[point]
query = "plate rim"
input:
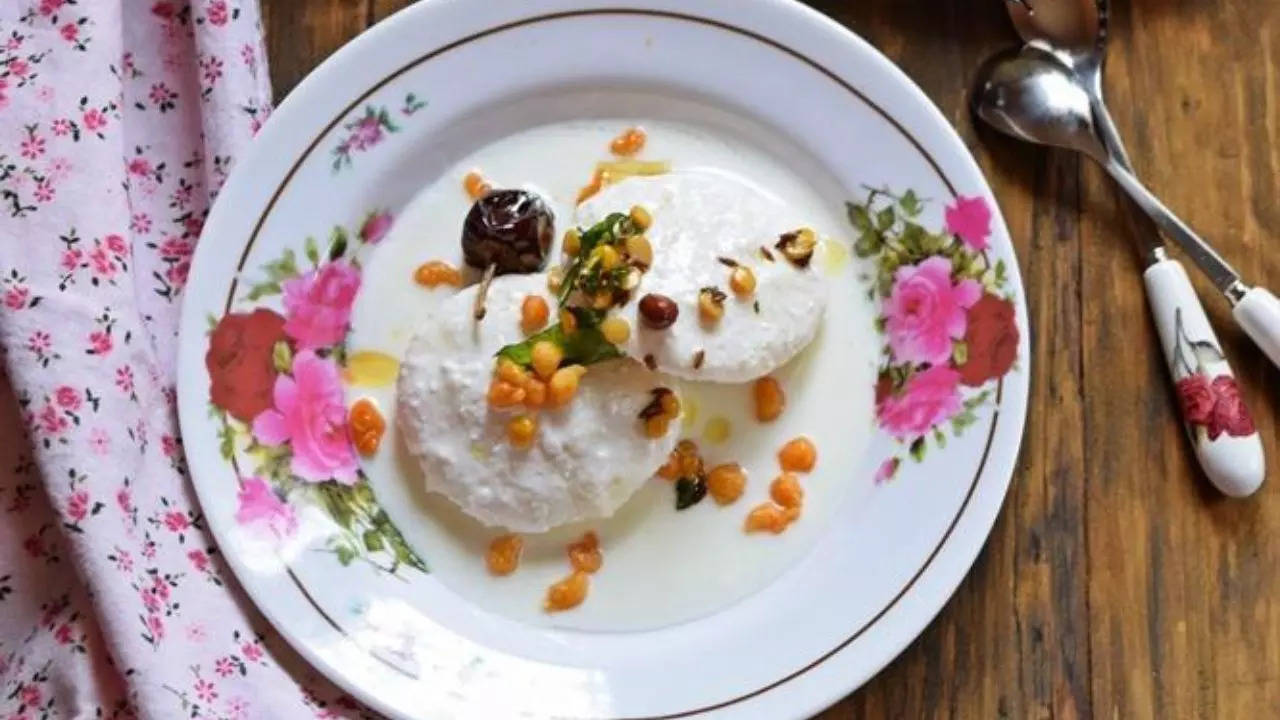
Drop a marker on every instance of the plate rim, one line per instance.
(193, 352)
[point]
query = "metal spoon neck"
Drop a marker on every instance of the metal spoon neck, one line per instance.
(1220, 273)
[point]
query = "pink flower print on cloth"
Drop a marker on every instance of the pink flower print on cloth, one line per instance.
(318, 305)
(926, 312)
(310, 416)
(969, 218)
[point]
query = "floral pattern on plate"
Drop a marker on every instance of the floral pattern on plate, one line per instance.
(946, 316)
(276, 388)
(370, 129)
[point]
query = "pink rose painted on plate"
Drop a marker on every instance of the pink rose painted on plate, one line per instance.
(295, 405)
(318, 304)
(310, 416)
(367, 133)
(925, 311)
(950, 325)
(887, 470)
(929, 398)
(257, 504)
(969, 218)
(376, 227)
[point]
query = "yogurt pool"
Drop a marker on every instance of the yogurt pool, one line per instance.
(660, 565)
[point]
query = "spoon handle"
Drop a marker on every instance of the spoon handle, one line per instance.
(1261, 317)
(1236, 468)
(1220, 273)
(1218, 423)
(1258, 312)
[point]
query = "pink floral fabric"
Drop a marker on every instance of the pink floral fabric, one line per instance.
(119, 121)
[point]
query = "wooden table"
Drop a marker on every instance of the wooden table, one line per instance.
(1116, 583)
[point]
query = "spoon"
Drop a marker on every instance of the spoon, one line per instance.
(1075, 33)
(1035, 95)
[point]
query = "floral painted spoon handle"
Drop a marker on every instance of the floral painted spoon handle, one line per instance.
(1216, 419)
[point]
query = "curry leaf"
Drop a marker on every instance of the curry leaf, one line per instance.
(604, 231)
(585, 346)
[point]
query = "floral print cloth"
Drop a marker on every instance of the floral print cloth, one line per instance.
(119, 121)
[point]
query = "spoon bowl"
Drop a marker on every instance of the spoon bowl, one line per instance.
(1073, 26)
(1032, 96)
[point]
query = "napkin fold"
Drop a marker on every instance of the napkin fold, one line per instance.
(119, 121)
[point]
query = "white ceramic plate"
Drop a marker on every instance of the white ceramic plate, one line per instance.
(281, 258)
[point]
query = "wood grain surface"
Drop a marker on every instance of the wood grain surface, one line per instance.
(1116, 583)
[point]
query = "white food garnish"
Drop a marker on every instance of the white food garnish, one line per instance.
(588, 458)
(700, 216)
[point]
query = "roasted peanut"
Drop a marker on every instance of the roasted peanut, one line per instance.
(658, 311)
